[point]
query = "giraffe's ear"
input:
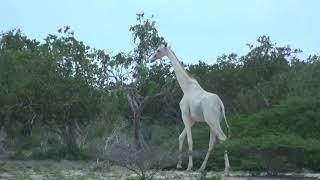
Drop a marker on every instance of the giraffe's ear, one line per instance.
(165, 44)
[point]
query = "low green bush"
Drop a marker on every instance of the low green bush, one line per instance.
(296, 115)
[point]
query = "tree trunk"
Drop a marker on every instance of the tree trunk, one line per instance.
(136, 103)
(71, 133)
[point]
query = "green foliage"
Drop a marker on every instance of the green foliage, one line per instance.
(52, 83)
(296, 115)
(146, 39)
(157, 135)
(274, 153)
(214, 178)
(40, 147)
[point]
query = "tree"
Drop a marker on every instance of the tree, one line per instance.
(58, 84)
(146, 40)
(263, 75)
(18, 55)
(71, 94)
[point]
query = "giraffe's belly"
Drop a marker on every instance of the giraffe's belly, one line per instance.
(196, 113)
(193, 101)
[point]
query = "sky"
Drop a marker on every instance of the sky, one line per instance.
(196, 30)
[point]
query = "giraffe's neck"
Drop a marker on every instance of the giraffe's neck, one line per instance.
(185, 81)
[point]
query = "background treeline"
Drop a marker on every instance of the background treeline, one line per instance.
(62, 99)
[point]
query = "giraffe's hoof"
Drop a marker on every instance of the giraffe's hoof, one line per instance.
(179, 166)
(189, 169)
(201, 169)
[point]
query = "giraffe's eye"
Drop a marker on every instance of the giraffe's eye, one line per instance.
(158, 50)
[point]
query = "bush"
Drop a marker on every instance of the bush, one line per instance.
(273, 153)
(297, 115)
(42, 144)
(143, 162)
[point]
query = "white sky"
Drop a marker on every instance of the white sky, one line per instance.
(202, 29)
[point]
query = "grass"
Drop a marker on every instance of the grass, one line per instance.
(48, 170)
(73, 170)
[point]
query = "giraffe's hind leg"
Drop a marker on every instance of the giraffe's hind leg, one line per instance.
(212, 117)
(211, 143)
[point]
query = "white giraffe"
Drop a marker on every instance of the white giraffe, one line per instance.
(197, 105)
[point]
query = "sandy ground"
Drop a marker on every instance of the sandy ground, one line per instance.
(43, 170)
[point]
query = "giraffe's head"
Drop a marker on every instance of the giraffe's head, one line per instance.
(161, 52)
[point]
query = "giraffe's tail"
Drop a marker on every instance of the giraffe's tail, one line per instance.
(225, 119)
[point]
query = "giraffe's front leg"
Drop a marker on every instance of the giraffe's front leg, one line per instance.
(181, 140)
(189, 137)
(187, 127)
